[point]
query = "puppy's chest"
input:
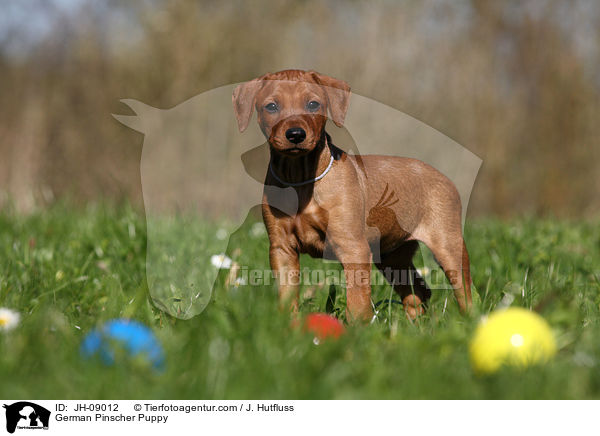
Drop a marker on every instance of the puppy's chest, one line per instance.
(309, 228)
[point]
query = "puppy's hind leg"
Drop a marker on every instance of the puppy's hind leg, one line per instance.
(399, 271)
(450, 252)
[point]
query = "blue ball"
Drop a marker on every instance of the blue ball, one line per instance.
(133, 337)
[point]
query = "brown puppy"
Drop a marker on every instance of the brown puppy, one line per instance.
(357, 209)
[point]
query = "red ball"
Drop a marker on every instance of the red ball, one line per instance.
(324, 326)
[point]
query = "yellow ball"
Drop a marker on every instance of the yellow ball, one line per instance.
(515, 337)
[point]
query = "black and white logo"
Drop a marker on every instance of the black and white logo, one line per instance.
(26, 415)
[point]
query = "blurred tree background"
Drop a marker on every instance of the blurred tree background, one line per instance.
(516, 82)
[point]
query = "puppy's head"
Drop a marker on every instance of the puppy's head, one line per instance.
(292, 107)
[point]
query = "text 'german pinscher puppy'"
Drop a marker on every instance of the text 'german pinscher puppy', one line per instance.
(348, 207)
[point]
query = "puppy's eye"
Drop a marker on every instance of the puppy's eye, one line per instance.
(313, 106)
(271, 107)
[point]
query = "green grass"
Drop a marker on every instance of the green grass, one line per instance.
(67, 271)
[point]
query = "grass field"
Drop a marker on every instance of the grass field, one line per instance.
(66, 271)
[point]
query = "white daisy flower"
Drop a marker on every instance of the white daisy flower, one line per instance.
(8, 319)
(423, 271)
(220, 261)
(257, 230)
(221, 234)
(240, 281)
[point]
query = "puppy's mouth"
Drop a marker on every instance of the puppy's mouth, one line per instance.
(289, 149)
(295, 151)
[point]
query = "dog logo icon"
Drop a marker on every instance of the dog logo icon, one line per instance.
(26, 415)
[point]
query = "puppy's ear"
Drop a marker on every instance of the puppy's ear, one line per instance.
(338, 96)
(243, 101)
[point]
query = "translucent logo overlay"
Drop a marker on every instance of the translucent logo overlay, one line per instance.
(196, 163)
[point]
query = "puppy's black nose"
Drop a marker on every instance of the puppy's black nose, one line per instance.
(295, 135)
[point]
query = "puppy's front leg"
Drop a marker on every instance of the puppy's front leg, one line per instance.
(352, 250)
(357, 270)
(285, 264)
